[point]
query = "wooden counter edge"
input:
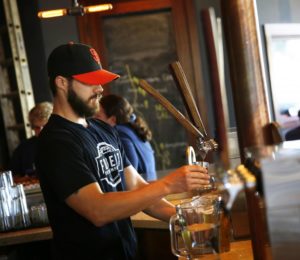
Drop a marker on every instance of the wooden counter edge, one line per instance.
(238, 250)
(139, 220)
(25, 236)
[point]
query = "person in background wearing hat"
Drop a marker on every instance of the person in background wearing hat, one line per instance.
(134, 133)
(22, 161)
(90, 187)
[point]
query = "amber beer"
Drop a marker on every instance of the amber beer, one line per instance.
(194, 229)
(202, 235)
(197, 238)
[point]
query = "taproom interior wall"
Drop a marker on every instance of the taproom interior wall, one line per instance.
(275, 11)
(41, 36)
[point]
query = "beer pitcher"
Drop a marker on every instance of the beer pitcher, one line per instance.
(195, 227)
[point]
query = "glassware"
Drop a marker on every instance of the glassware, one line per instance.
(192, 160)
(6, 179)
(195, 228)
(19, 209)
(38, 215)
(5, 218)
(212, 182)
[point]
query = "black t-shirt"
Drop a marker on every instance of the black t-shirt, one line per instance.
(70, 156)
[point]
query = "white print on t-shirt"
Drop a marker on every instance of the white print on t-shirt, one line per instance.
(109, 164)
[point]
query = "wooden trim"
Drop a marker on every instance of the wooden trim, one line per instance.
(218, 100)
(247, 80)
(195, 67)
(138, 6)
(188, 51)
(196, 61)
(185, 33)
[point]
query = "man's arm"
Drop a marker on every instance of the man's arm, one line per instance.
(101, 208)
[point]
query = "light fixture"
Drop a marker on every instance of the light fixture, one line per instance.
(75, 9)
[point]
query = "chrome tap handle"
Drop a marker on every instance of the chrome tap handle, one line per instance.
(190, 155)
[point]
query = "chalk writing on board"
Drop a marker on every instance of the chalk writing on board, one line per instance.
(141, 46)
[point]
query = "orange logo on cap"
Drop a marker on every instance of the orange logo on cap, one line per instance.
(95, 55)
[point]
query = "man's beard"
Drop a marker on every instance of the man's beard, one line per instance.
(80, 106)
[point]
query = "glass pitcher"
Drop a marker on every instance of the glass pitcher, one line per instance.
(194, 229)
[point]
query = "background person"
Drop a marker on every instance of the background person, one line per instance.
(134, 133)
(22, 161)
(90, 187)
(293, 134)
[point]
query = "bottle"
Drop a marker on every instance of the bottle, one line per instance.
(224, 230)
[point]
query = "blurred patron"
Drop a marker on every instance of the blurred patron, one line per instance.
(22, 161)
(134, 133)
(293, 134)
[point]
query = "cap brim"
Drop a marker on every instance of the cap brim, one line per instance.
(98, 77)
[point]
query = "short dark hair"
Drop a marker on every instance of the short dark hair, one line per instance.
(53, 85)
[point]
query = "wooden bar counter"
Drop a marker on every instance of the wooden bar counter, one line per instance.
(239, 250)
(139, 220)
(25, 236)
(153, 236)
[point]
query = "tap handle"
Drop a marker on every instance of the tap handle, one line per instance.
(190, 155)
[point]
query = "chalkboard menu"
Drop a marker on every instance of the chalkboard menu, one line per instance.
(141, 46)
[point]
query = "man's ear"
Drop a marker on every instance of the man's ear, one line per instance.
(61, 83)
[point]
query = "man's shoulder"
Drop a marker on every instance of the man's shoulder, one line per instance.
(58, 130)
(101, 126)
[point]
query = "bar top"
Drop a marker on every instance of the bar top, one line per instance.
(25, 236)
(139, 220)
(238, 250)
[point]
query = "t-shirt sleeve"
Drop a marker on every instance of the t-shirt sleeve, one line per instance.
(66, 176)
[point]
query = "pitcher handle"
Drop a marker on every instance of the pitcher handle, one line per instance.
(174, 242)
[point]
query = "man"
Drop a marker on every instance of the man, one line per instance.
(89, 186)
(22, 161)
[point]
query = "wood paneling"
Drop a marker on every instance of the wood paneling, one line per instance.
(248, 86)
(185, 30)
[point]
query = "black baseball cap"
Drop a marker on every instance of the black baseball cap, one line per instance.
(80, 62)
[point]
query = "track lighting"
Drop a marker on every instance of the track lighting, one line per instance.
(75, 9)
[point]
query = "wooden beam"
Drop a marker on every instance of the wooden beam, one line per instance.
(241, 34)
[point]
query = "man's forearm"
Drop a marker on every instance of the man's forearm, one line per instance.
(162, 210)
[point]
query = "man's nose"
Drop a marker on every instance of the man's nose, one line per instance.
(98, 89)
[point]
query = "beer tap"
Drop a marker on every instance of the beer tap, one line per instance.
(230, 180)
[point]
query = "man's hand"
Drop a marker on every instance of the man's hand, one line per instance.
(186, 178)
